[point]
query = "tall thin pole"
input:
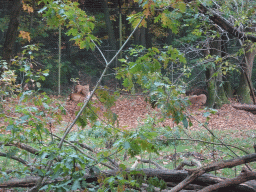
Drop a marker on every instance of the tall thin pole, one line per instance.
(59, 58)
(120, 27)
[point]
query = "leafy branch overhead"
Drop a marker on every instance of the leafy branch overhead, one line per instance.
(68, 14)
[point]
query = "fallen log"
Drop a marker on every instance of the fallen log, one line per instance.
(245, 107)
(243, 177)
(171, 177)
(185, 179)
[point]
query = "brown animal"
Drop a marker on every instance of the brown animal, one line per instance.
(198, 99)
(84, 90)
(77, 97)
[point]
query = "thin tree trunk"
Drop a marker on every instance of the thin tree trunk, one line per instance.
(220, 94)
(148, 34)
(210, 81)
(243, 90)
(211, 87)
(32, 15)
(143, 36)
(227, 85)
(216, 94)
(12, 31)
(111, 35)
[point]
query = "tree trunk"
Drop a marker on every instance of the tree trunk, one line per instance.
(137, 36)
(12, 31)
(216, 94)
(148, 34)
(143, 36)
(32, 15)
(224, 50)
(243, 90)
(227, 87)
(111, 35)
(221, 96)
(211, 87)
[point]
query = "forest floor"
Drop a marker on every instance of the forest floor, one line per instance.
(133, 109)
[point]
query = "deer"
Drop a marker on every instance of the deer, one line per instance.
(80, 93)
(76, 97)
(197, 100)
(83, 90)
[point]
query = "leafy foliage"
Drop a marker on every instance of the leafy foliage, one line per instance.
(146, 71)
(79, 24)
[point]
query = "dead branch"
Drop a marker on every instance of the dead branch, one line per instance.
(15, 158)
(171, 177)
(145, 161)
(87, 155)
(189, 163)
(152, 162)
(243, 177)
(224, 144)
(27, 148)
(214, 166)
(84, 146)
(202, 141)
(25, 182)
(188, 187)
(245, 107)
(22, 146)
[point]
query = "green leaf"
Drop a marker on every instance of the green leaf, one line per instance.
(182, 6)
(127, 145)
(122, 166)
(9, 127)
(76, 185)
(206, 114)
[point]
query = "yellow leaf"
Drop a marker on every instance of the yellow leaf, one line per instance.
(144, 23)
(25, 35)
(27, 7)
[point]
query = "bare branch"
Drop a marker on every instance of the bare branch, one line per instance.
(25, 182)
(202, 141)
(213, 167)
(78, 149)
(14, 158)
(243, 177)
(22, 146)
(189, 163)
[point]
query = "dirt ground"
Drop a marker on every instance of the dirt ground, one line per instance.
(131, 110)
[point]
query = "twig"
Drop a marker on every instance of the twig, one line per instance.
(15, 158)
(78, 149)
(202, 141)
